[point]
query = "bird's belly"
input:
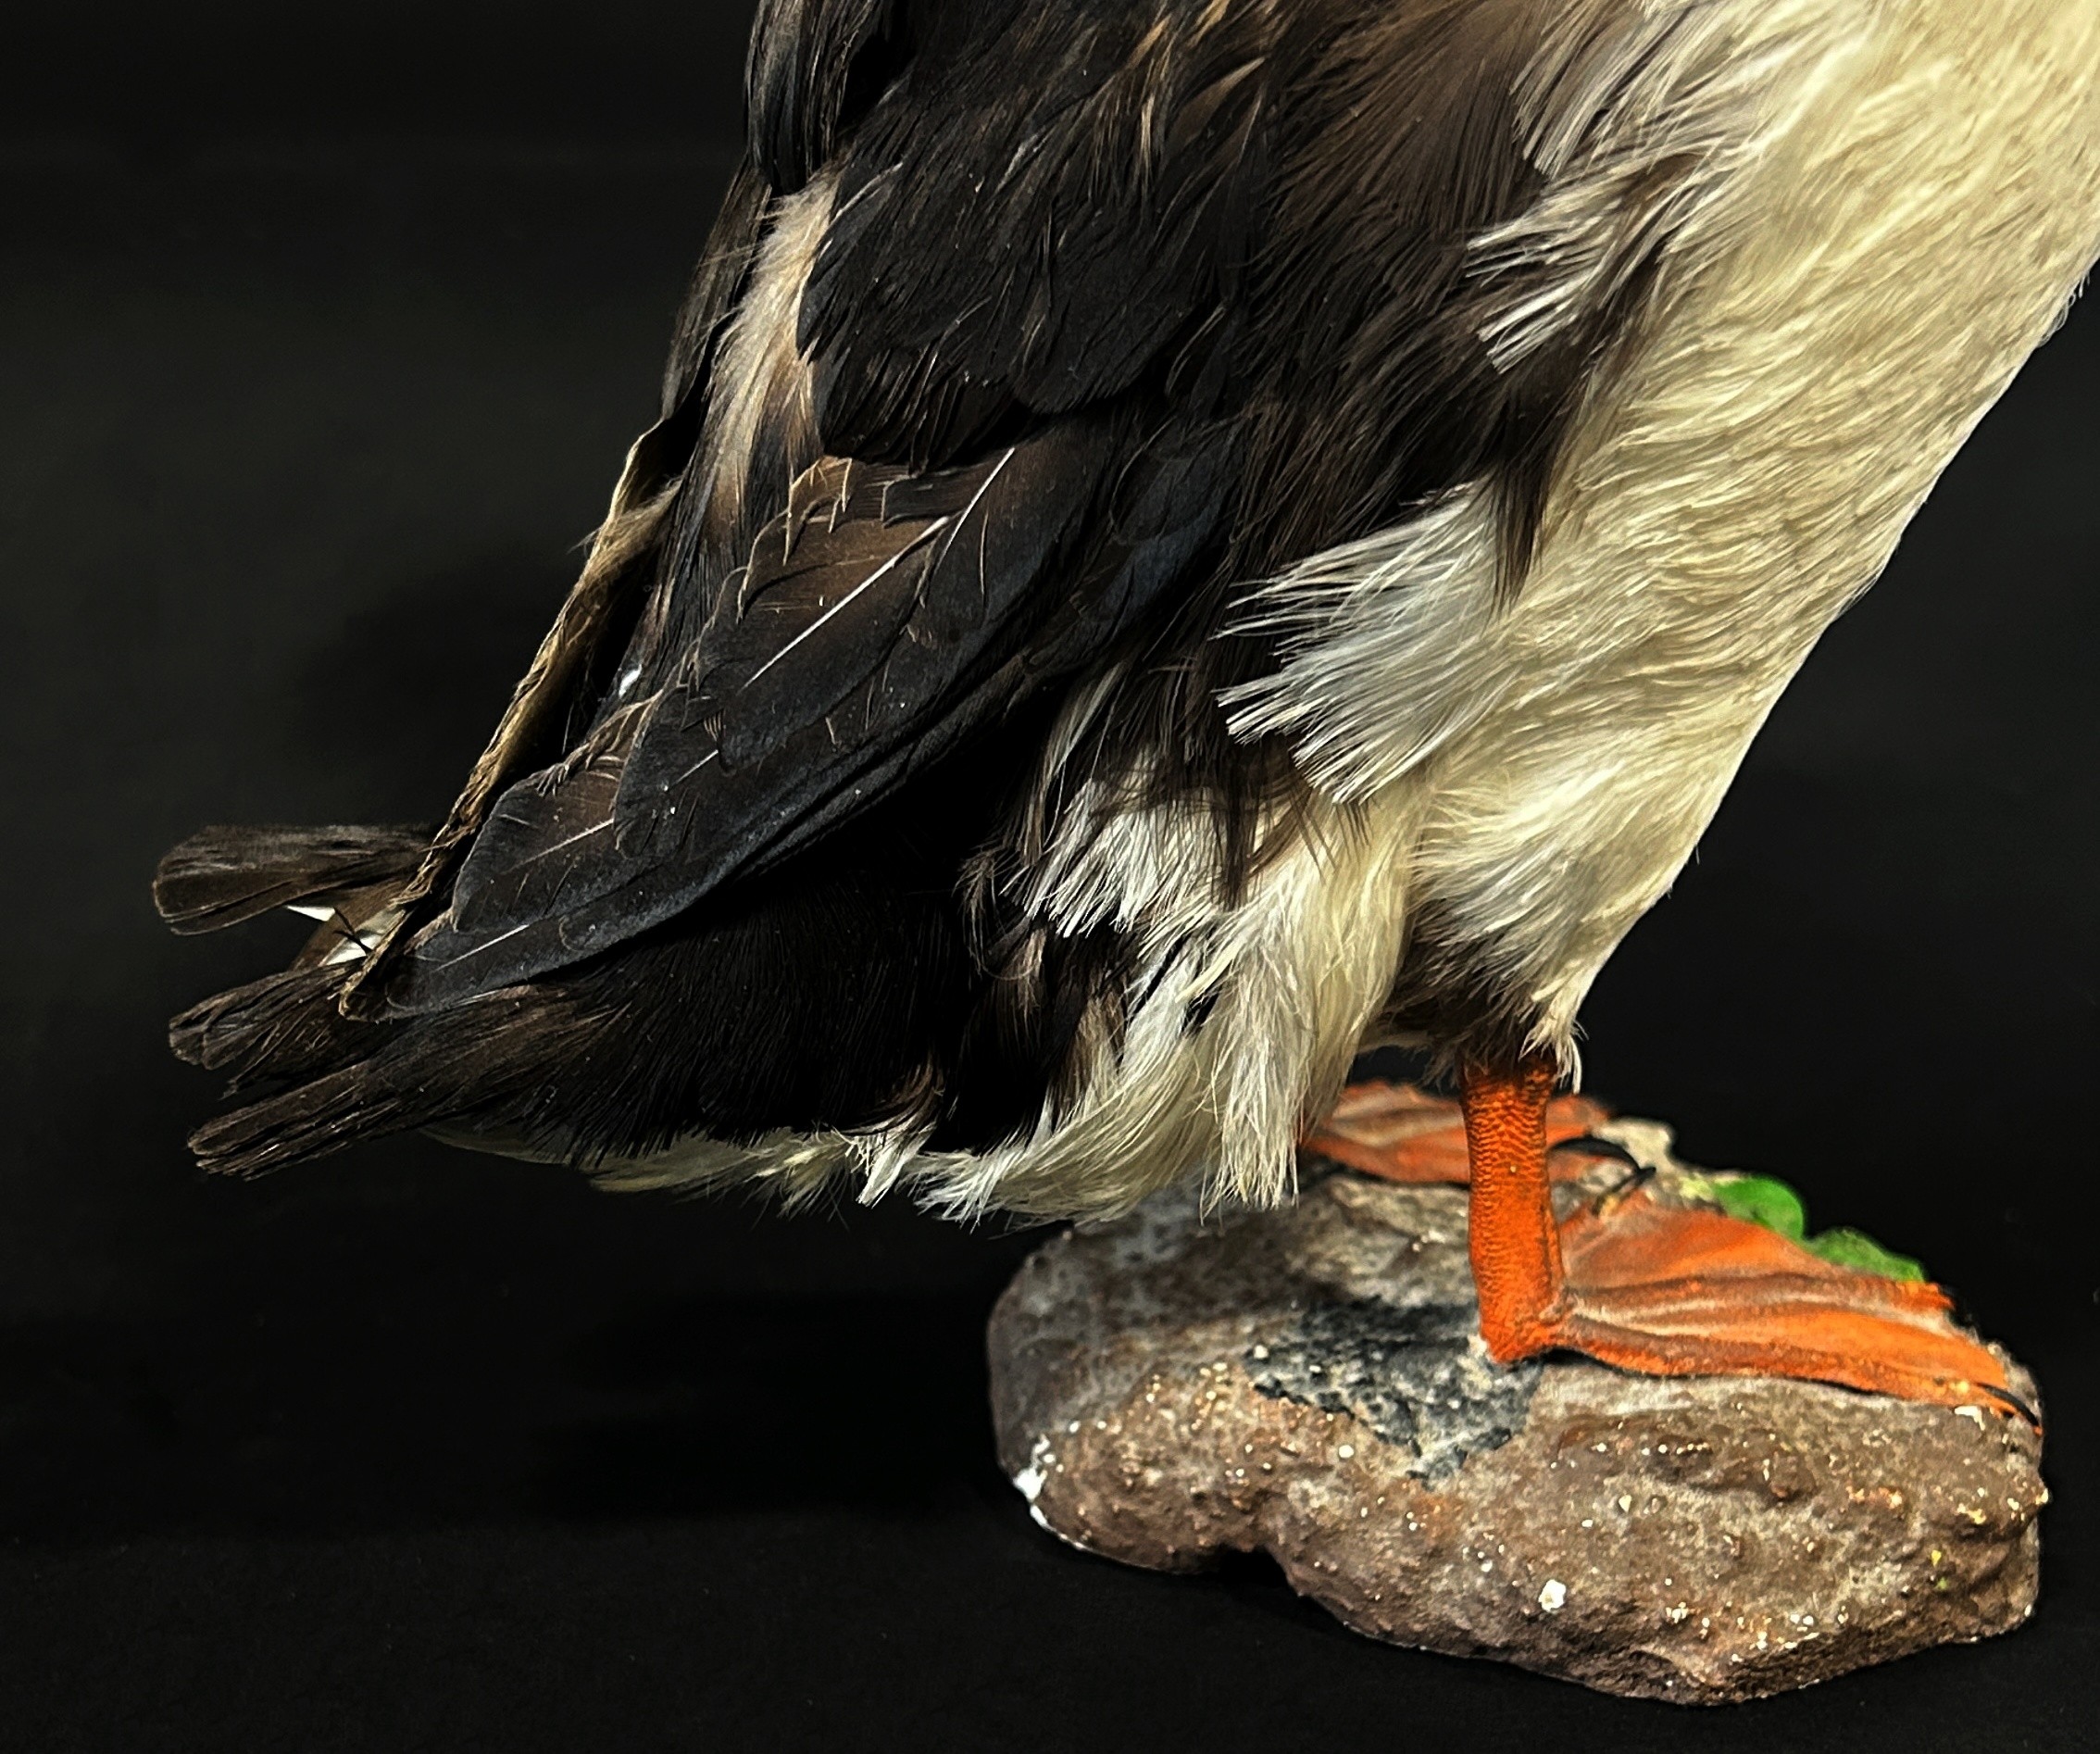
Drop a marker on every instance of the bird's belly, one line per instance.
(1865, 292)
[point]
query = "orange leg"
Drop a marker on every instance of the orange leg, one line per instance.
(1685, 1293)
(1515, 1243)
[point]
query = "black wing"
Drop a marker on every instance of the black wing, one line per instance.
(1014, 276)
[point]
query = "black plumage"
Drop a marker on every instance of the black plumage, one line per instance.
(1111, 309)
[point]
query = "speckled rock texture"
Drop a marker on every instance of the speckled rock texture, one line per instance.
(1307, 1382)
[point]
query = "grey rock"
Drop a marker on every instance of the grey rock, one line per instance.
(1308, 1383)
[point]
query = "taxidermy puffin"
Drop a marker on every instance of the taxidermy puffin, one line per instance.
(1186, 536)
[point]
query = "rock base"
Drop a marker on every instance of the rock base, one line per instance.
(1308, 1383)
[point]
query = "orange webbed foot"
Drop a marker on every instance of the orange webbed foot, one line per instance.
(1671, 1290)
(1399, 1134)
(1635, 1280)
(1674, 1291)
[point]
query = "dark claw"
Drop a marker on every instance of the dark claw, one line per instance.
(2014, 1402)
(1638, 1171)
(1591, 1146)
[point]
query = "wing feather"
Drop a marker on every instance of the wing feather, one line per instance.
(871, 607)
(1010, 279)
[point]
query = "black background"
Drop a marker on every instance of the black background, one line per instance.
(321, 340)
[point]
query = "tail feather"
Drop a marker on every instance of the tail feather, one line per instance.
(286, 1025)
(225, 875)
(359, 1081)
(309, 1121)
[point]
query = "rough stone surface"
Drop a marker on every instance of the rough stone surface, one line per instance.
(1308, 1383)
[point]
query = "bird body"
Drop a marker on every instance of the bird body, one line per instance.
(1184, 538)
